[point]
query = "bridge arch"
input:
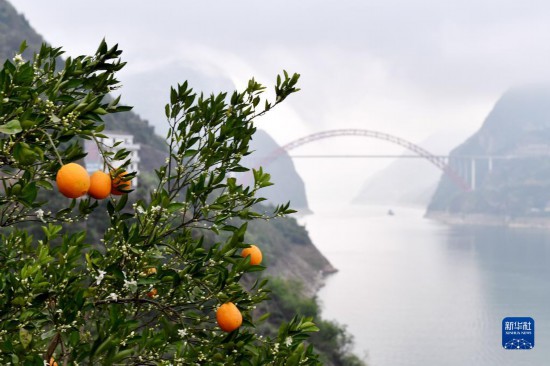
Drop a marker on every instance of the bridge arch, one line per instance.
(439, 162)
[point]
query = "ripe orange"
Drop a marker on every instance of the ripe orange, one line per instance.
(100, 185)
(255, 254)
(72, 180)
(229, 317)
(153, 293)
(117, 183)
(52, 362)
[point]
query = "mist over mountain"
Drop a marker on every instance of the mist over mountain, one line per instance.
(149, 91)
(288, 185)
(408, 181)
(150, 102)
(518, 127)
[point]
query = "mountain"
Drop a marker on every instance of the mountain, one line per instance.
(288, 185)
(14, 29)
(515, 185)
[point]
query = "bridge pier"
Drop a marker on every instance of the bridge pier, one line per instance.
(473, 174)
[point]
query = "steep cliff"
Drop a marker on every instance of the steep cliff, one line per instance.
(516, 182)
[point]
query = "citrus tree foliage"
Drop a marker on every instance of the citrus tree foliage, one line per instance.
(147, 293)
(42, 112)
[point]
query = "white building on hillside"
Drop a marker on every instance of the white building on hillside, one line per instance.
(94, 160)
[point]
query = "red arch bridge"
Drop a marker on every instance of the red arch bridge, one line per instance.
(462, 174)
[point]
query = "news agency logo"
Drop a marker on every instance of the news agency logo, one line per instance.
(518, 333)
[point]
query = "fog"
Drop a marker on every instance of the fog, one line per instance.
(409, 68)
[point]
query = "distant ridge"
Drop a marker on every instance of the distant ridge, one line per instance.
(14, 29)
(518, 125)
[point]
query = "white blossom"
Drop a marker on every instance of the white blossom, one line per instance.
(113, 296)
(140, 210)
(182, 332)
(288, 341)
(40, 214)
(99, 277)
(18, 58)
(130, 284)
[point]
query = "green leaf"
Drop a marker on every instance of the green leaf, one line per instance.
(29, 192)
(19, 301)
(25, 337)
(44, 184)
(175, 206)
(23, 47)
(122, 355)
(11, 128)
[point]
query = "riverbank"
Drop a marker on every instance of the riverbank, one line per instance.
(489, 220)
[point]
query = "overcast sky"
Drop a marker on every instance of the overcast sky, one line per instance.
(412, 68)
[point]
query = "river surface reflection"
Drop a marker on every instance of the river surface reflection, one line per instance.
(416, 292)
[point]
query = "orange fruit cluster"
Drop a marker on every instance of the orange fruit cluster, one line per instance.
(228, 315)
(73, 181)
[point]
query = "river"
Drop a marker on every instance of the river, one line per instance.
(413, 291)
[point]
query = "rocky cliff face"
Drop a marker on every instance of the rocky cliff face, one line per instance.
(14, 29)
(518, 127)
